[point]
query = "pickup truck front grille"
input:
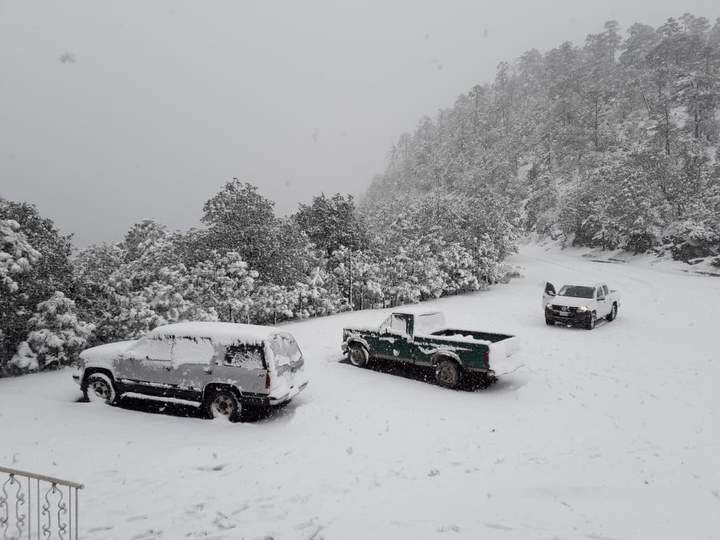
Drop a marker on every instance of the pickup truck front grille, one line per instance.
(569, 309)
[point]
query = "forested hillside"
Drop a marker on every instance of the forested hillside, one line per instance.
(612, 143)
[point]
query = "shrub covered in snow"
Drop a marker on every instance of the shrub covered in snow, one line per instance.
(16, 255)
(56, 336)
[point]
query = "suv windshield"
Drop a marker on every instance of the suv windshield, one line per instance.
(577, 291)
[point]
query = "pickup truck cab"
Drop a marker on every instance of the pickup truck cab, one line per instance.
(422, 338)
(226, 368)
(580, 305)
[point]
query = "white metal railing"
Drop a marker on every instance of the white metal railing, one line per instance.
(35, 506)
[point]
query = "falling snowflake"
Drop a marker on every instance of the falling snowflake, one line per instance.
(67, 58)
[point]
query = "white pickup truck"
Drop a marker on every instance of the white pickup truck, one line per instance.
(580, 305)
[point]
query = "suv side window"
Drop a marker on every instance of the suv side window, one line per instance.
(245, 356)
(192, 350)
(154, 348)
(605, 290)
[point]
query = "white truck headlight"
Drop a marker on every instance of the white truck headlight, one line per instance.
(582, 308)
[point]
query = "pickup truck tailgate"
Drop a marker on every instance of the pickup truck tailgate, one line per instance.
(503, 359)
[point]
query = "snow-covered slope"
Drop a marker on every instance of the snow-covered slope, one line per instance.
(612, 433)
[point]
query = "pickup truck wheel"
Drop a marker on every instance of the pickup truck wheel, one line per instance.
(358, 355)
(224, 405)
(448, 374)
(613, 313)
(99, 388)
(591, 321)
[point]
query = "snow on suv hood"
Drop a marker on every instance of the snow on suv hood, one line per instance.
(105, 354)
(570, 301)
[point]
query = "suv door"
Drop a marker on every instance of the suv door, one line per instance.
(148, 364)
(193, 359)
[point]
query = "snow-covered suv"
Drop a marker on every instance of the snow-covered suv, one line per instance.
(580, 304)
(223, 367)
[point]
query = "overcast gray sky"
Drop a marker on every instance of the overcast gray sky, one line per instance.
(111, 112)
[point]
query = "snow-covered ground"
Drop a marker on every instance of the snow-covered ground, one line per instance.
(613, 433)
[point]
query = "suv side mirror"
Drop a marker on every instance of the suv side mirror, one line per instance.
(600, 298)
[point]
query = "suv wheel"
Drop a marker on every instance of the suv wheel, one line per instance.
(448, 374)
(613, 313)
(223, 404)
(358, 355)
(99, 388)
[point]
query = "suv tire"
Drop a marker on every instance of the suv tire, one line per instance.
(223, 404)
(99, 388)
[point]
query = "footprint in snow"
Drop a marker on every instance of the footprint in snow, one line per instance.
(211, 468)
(222, 522)
(100, 529)
(150, 534)
(498, 526)
(448, 528)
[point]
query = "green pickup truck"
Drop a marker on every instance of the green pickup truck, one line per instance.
(422, 338)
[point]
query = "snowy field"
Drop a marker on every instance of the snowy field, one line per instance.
(613, 433)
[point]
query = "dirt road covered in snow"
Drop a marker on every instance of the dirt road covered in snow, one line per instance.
(613, 433)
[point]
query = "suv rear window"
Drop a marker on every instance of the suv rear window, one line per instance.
(285, 350)
(245, 356)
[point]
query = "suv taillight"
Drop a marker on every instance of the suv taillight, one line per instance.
(486, 358)
(268, 381)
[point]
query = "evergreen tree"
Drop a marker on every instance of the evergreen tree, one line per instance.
(56, 336)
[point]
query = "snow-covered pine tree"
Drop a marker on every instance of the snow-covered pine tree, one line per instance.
(17, 258)
(222, 284)
(56, 336)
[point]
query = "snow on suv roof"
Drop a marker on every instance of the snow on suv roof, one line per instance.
(223, 333)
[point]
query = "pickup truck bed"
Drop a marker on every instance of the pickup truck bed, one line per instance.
(471, 334)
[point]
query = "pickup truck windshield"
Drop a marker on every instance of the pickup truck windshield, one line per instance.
(577, 291)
